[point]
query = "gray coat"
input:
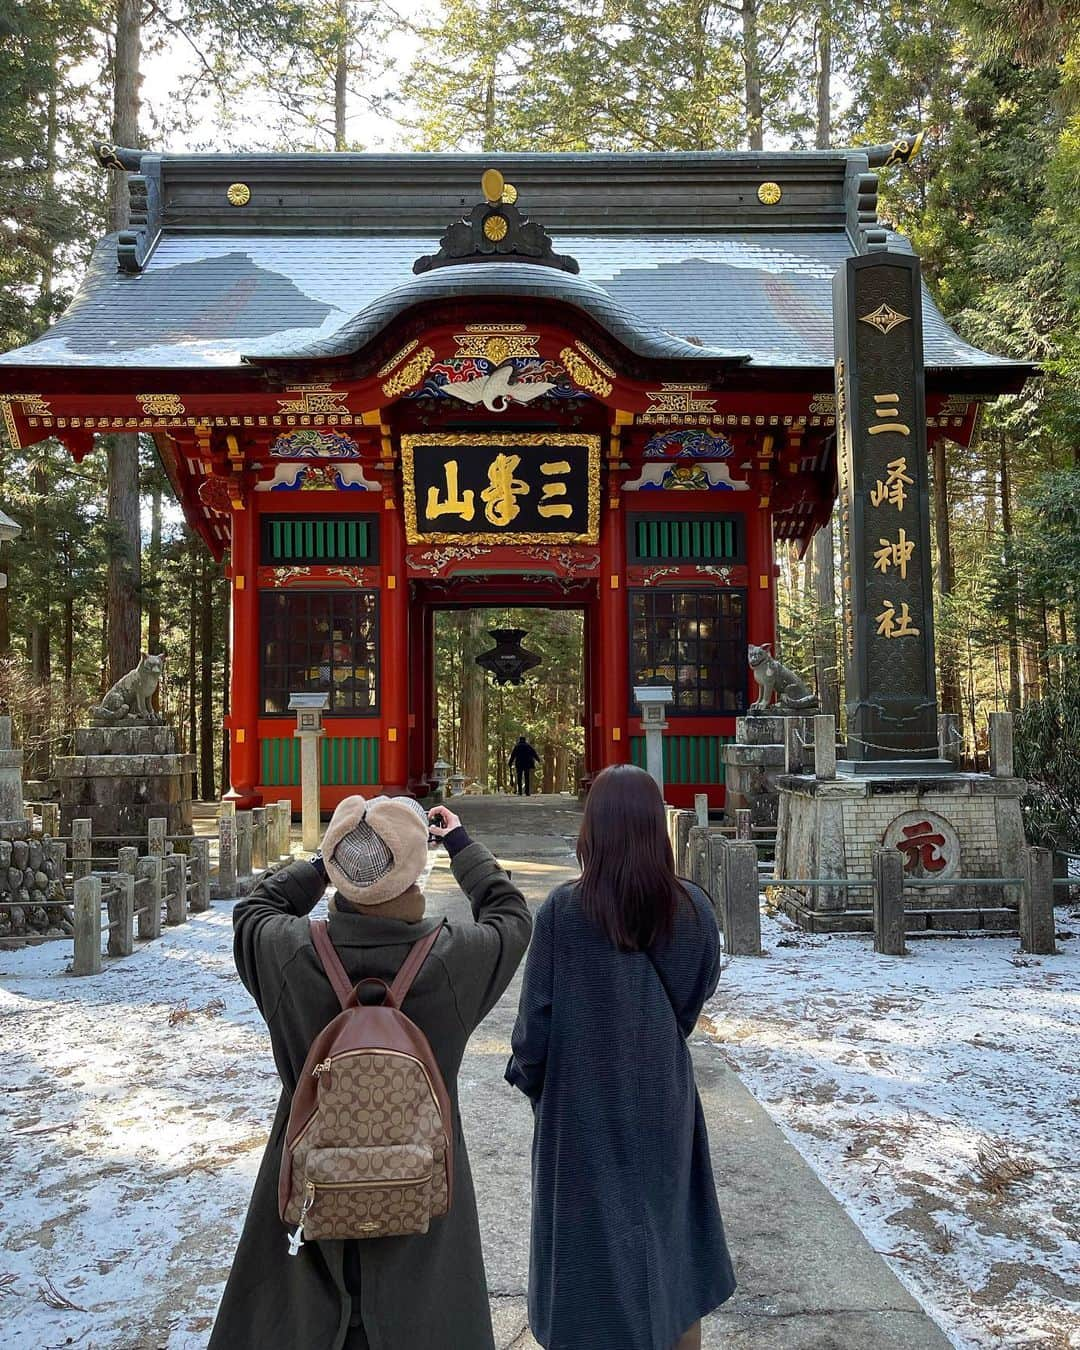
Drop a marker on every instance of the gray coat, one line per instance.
(417, 1293)
(628, 1248)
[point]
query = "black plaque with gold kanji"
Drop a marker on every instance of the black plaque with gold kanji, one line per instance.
(884, 508)
(504, 488)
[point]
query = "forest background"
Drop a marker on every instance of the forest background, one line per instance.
(106, 566)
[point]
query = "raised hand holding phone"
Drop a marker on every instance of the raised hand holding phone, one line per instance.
(441, 820)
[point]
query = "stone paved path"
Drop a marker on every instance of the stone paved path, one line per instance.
(808, 1278)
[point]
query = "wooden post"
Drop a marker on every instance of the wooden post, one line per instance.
(87, 926)
(740, 899)
(243, 849)
(1037, 928)
(744, 828)
(80, 848)
(259, 849)
(200, 875)
(122, 915)
(155, 836)
(226, 882)
(50, 819)
(148, 877)
(824, 746)
(701, 808)
(1001, 745)
(285, 807)
(889, 924)
(176, 903)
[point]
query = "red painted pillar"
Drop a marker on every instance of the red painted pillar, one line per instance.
(394, 648)
(243, 716)
(761, 616)
(428, 711)
(613, 646)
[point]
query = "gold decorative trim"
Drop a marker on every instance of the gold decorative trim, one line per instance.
(597, 361)
(397, 358)
(884, 319)
(410, 374)
(495, 342)
(315, 399)
(239, 194)
(583, 375)
(501, 440)
(768, 194)
(10, 428)
(496, 228)
(161, 405)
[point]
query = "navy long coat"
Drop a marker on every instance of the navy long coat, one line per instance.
(627, 1246)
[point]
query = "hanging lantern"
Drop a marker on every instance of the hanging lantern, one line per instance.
(508, 660)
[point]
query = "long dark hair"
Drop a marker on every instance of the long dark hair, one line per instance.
(628, 884)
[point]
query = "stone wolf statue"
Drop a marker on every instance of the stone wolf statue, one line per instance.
(792, 693)
(128, 701)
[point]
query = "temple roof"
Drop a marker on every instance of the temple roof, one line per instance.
(681, 256)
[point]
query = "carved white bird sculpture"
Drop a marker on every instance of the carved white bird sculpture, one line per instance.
(498, 389)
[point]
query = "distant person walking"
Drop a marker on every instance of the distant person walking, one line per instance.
(523, 759)
(628, 1249)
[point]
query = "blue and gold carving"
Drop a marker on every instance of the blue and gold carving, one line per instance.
(313, 443)
(688, 444)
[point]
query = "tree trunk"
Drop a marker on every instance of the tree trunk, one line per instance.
(341, 74)
(823, 129)
(122, 604)
(69, 632)
(1010, 600)
(206, 682)
(473, 740)
(153, 589)
(946, 579)
(755, 116)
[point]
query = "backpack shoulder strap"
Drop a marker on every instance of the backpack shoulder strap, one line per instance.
(331, 963)
(418, 954)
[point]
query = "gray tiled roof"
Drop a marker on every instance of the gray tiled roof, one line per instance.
(210, 300)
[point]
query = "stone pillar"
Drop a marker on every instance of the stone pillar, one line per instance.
(950, 739)
(1037, 928)
(259, 842)
(794, 750)
(740, 899)
(80, 849)
(11, 785)
(87, 927)
(684, 821)
(176, 901)
(889, 923)
(1001, 745)
(243, 850)
(285, 808)
(122, 915)
(155, 837)
(226, 882)
(50, 819)
(200, 875)
(744, 827)
(824, 746)
(148, 883)
(701, 808)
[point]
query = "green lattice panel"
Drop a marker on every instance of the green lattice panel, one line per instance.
(316, 539)
(345, 761)
(687, 759)
(693, 539)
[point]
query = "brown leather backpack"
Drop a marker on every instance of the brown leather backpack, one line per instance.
(369, 1146)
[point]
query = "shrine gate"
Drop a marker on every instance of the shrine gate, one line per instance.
(389, 384)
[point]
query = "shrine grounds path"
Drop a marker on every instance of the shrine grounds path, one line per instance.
(808, 1279)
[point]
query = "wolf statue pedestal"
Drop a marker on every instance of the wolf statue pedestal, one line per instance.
(127, 769)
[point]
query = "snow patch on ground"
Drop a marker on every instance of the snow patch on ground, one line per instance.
(890, 1075)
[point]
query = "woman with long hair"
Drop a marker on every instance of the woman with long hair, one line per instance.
(628, 1249)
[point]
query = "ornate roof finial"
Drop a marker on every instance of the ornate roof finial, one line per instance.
(495, 230)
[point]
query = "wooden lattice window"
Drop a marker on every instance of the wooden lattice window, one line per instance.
(669, 538)
(320, 640)
(695, 640)
(318, 539)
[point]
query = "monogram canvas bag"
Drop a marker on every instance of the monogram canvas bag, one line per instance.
(368, 1146)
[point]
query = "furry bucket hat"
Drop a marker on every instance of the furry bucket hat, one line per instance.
(375, 850)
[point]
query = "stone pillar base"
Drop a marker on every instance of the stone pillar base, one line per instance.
(754, 761)
(945, 825)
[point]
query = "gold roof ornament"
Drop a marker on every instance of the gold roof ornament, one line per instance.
(768, 194)
(492, 185)
(509, 194)
(239, 194)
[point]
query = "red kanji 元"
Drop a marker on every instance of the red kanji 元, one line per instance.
(920, 848)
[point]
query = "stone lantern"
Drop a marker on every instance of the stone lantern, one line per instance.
(9, 529)
(653, 699)
(309, 709)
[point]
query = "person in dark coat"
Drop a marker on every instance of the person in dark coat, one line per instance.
(421, 1292)
(523, 759)
(628, 1248)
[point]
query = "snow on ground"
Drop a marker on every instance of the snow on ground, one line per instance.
(890, 1075)
(128, 1145)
